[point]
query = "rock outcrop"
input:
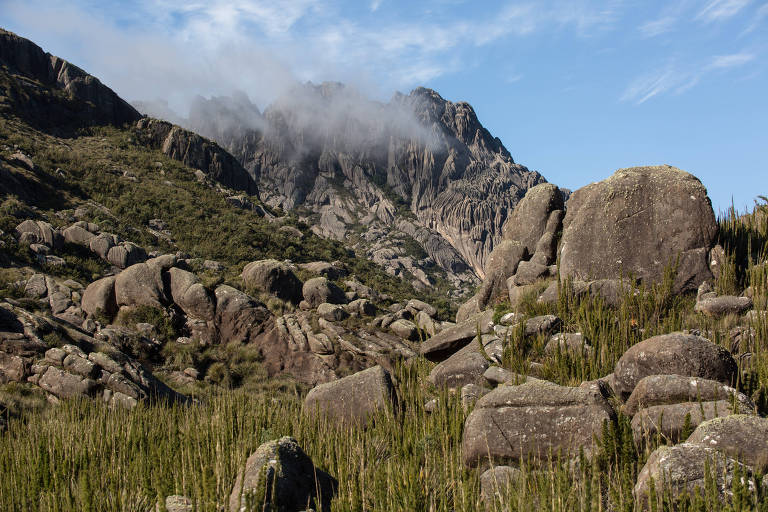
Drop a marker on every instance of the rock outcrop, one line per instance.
(666, 210)
(90, 101)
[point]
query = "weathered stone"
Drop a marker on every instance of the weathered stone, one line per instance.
(495, 482)
(502, 263)
(238, 316)
(65, 385)
(468, 309)
(529, 272)
(362, 307)
(669, 420)
(543, 324)
(319, 289)
(496, 375)
(78, 235)
(140, 285)
(422, 306)
(723, 305)
(449, 340)
(536, 419)
(405, 329)
(190, 295)
(100, 296)
(36, 287)
(672, 389)
(177, 503)
(356, 399)
(39, 232)
(467, 366)
(101, 244)
(427, 324)
(673, 354)
(273, 277)
(280, 476)
(74, 363)
(528, 221)
(742, 437)
(126, 254)
(333, 312)
(470, 393)
(572, 342)
(666, 210)
(682, 469)
(332, 271)
(12, 368)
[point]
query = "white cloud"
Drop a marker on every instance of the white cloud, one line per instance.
(375, 4)
(730, 61)
(718, 10)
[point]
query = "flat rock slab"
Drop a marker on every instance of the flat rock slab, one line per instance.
(671, 389)
(353, 400)
(676, 353)
(468, 365)
(440, 346)
(536, 419)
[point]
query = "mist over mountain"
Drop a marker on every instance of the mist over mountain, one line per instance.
(418, 165)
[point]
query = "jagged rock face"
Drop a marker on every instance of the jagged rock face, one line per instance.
(331, 151)
(96, 103)
(198, 153)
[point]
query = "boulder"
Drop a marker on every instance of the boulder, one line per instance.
(332, 271)
(423, 307)
(319, 289)
(528, 272)
(100, 296)
(177, 503)
(495, 482)
(669, 420)
(449, 340)
(496, 375)
(126, 254)
(140, 285)
(469, 394)
(334, 312)
(405, 329)
(36, 287)
(468, 365)
(355, 399)
(66, 385)
(427, 324)
(12, 368)
(238, 316)
(666, 210)
(742, 437)
(468, 309)
(528, 221)
(673, 354)
(190, 295)
(273, 277)
(671, 389)
(572, 342)
(537, 419)
(78, 235)
(101, 244)
(542, 324)
(501, 264)
(682, 468)
(361, 307)
(39, 232)
(279, 476)
(723, 305)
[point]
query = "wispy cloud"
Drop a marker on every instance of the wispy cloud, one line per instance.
(718, 10)
(674, 78)
(375, 4)
(657, 27)
(730, 61)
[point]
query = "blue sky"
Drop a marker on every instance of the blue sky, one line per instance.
(575, 89)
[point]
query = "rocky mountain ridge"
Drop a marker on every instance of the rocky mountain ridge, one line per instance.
(419, 167)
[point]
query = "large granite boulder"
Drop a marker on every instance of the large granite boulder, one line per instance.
(668, 214)
(190, 295)
(279, 476)
(39, 232)
(273, 277)
(673, 354)
(141, 285)
(500, 265)
(468, 365)
(100, 296)
(537, 419)
(355, 399)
